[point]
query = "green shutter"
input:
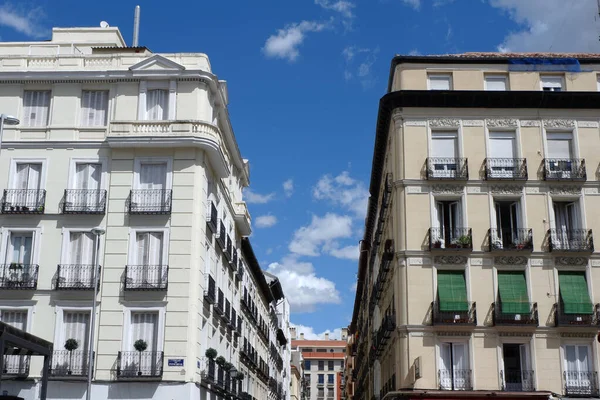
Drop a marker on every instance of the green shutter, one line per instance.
(574, 293)
(452, 291)
(513, 293)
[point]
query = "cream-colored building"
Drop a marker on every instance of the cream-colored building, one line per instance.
(140, 144)
(477, 272)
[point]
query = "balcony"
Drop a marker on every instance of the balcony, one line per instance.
(583, 319)
(509, 169)
(220, 304)
(212, 218)
(84, 201)
(75, 277)
(516, 380)
(388, 325)
(242, 218)
(69, 364)
(501, 318)
(441, 239)
(227, 314)
(466, 314)
(18, 276)
(455, 379)
(564, 169)
(16, 366)
(146, 277)
(221, 241)
(571, 240)
(23, 201)
(228, 248)
(150, 201)
(233, 320)
(581, 384)
(208, 370)
(520, 239)
(139, 364)
(439, 168)
(210, 294)
(239, 272)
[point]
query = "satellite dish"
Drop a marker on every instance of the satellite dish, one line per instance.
(104, 24)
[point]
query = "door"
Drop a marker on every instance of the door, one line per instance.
(28, 182)
(148, 271)
(578, 369)
(76, 325)
(14, 364)
(502, 155)
(79, 271)
(444, 150)
(19, 270)
(144, 327)
(454, 221)
(566, 222)
(87, 183)
(153, 182)
(560, 153)
(445, 367)
(438, 233)
(454, 373)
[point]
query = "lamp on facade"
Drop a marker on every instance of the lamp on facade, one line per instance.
(6, 120)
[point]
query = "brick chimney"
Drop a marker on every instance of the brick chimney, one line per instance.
(327, 336)
(301, 336)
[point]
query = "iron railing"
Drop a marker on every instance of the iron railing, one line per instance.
(208, 369)
(447, 168)
(228, 248)
(212, 217)
(66, 363)
(450, 239)
(221, 236)
(383, 334)
(146, 277)
(18, 276)
(75, 277)
(581, 384)
(220, 304)
(514, 169)
(571, 240)
(150, 201)
(504, 318)
(84, 201)
(227, 314)
(140, 364)
(520, 239)
(567, 169)
(16, 365)
(24, 201)
(517, 380)
(465, 314)
(210, 294)
(455, 379)
(588, 318)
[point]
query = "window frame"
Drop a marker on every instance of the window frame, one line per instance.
(22, 160)
(74, 306)
(132, 247)
(66, 241)
(496, 76)
(127, 340)
(35, 248)
(19, 305)
(50, 108)
(108, 108)
(137, 166)
(103, 161)
(440, 75)
(548, 78)
(165, 84)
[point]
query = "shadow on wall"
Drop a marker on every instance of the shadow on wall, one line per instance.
(24, 389)
(132, 390)
(66, 390)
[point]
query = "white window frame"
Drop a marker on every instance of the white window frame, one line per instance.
(516, 340)
(165, 84)
(552, 80)
(440, 75)
(132, 253)
(127, 342)
(103, 161)
(13, 170)
(35, 248)
(79, 115)
(455, 339)
(504, 77)
(137, 166)
(50, 107)
(21, 305)
(593, 347)
(73, 306)
(66, 242)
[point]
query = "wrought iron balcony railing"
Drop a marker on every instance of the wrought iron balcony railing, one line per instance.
(219, 306)
(520, 239)
(515, 319)
(208, 369)
(228, 248)
(512, 169)
(450, 239)
(212, 218)
(589, 316)
(69, 363)
(571, 240)
(221, 237)
(382, 336)
(16, 365)
(146, 277)
(150, 201)
(517, 380)
(140, 364)
(23, 201)
(75, 277)
(227, 313)
(210, 294)
(447, 168)
(84, 201)
(581, 384)
(455, 379)
(564, 169)
(18, 276)
(465, 314)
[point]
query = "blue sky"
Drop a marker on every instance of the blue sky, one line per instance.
(305, 78)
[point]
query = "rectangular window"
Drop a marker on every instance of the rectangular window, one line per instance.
(76, 325)
(88, 175)
(36, 105)
(560, 145)
(448, 226)
(149, 248)
(157, 104)
(20, 248)
(454, 371)
(94, 106)
(330, 365)
(578, 365)
(551, 83)
(307, 365)
(321, 378)
(507, 233)
(17, 319)
(518, 373)
(439, 81)
(321, 366)
(574, 294)
(502, 151)
(452, 291)
(153, 176)
(567, 224)
(29, 176)
(144, 326)
(512, 291)
(321, 350)
(330, 378)
(496, 82)
(81, 248)
(444, 154)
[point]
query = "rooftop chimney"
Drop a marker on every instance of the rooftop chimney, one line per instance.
(136, 27)
(344, 333)
(327, 336)
(293, 333)
(301, 336)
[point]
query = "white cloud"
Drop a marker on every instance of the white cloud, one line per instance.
(354, 287)
(416, 4)
(321, 234)
(344, 191)
(551, 25)
(255, 198)
(23, 21)
(341, 6)
(285, 43)
(414, 52)
(358, 64)
(265, 221)
(347, 253)
(288, 187)
(309, 332)
(269, 251)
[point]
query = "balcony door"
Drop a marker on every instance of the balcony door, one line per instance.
(448, 222)
(518, 374)
(566, 220)
(75, 325)
(508, 214)
(16, 319)
(144, 326)
(27, 183)
(502, 152)
(444, 151)
(149, 258)
(157, 105)
(579, 375)
(560, 155)
(79, 270)
(153, 182)
(454, 372)
(20, 249)
(87, 182)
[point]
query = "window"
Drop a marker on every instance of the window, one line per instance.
(157, 104)
(330, 378)
(444, 153)
(342, 365)
(567, 224)
(321, 378)
(551, 83)
(29, 176)
(574, 294)
(507, 234)
(15, 364)
(578, 369)
(149, 247)
(454, 370)
(330, 365)
(496, 82)
(452, 293)
(76, 325)
(321, 392)
(321, 350)
(321, 366)
(439, 81)
(153, 176)
(88, 175)
(36, 104)
(560, 163)
(502, 162)
(144, 326)
(94, 106)
(512, 293)
(448, 231)
(517, 374)
(307, 365)
(81, 248)
(20, 247)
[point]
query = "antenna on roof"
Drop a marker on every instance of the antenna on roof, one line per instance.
(104, 24)
(136, 26)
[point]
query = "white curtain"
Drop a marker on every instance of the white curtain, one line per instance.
(94, 104)
(157, 104)
(445, 366)
(21, 246)
(145, 327)
(149, 248)
(460, 364)
(82, 248)
(16, 319)
(28, 176)
(35, 107)
(76, 326)
(87, 176)
(153, 175)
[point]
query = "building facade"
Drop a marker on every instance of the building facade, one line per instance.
(141, 145)
(477, 271)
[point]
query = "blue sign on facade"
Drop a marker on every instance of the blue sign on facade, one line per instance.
(175, 362)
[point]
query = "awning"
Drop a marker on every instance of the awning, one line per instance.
(513, 293)
(574, 293)
(452, 291)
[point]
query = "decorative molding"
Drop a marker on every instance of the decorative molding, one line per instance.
(473, 122)
(487, 261)
(591, 190)
(506, 189)
(547, 335)
(587, 124)
(559, 123)
(450, 259)
(415, 261)
(502, 123)
(595, 263)
(413, 189)
(565, 189)
(473, 189)
(444, 122)
(485, 334)
(510, 260)
(537, 261)
(532, 190)
(580, 335)
(530, 122)
(453, 333)
(447, 189)
(476, 261)
(571, 261)
(515, 334)
(421, 334)
(415, 122)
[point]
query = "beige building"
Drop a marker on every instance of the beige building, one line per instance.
(477, 274)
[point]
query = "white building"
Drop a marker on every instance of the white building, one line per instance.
(140, 144)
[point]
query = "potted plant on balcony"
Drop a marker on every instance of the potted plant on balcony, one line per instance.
(464, 241)
(140, 345)
(227, 366)
(210, 353)
(240, 376)
(437, 244)
(220, 361)
(70, 345)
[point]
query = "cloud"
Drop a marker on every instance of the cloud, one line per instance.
(309, 332)
(414, 52)
(354, 287)
(321, 234)
(416, 4)
(344, 191)
(265, 221)
(288, 187)
(286, 42)
(441, 3)
(551, 25)
(23, 21)
(347, 253)
(254, 198)
(358, 64)
(340, 6)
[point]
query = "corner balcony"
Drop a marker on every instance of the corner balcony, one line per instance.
(504, 318)
(75, 277)
(506, 169)
(146, 277)
(571, 240)
(16, 366)
(69, 364)
(139, 364)
(586, 315)
(23, 201)
(84, 201)
(441, 239)
(581, 384)
(19, 276)
(511, 240)
(150, 201)
(564, 169)
(463, 313)
(443, 168)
